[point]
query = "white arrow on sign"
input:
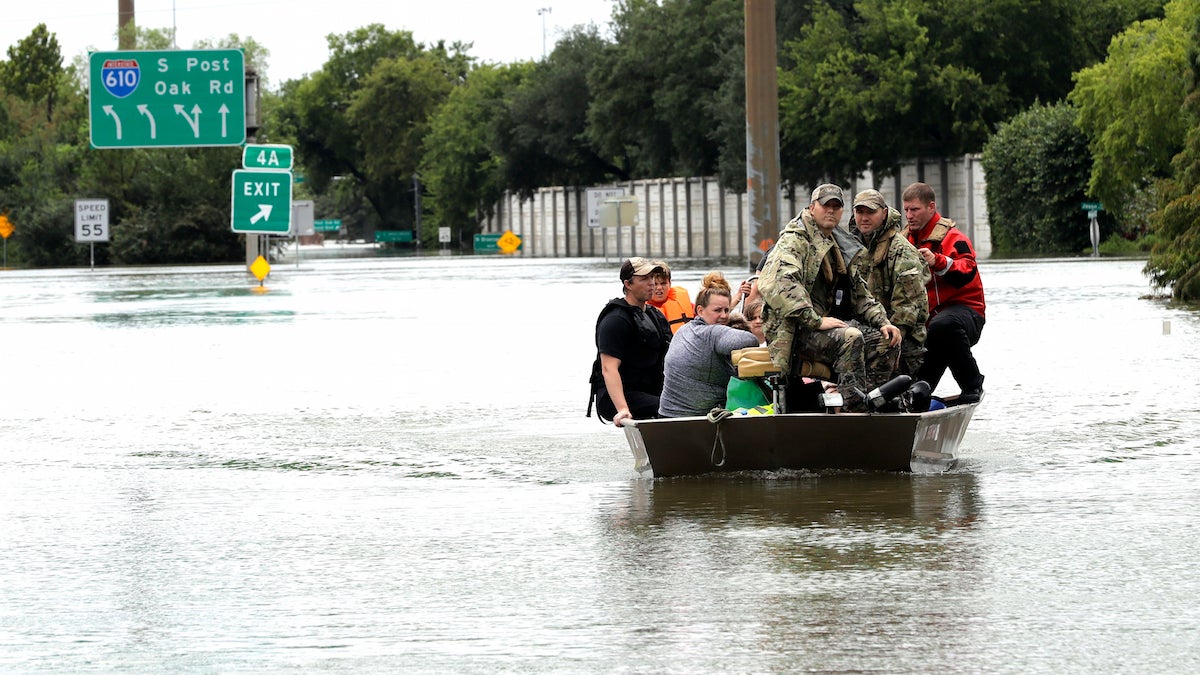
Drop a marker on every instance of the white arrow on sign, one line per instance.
(145, 110)
(224, 110)
(264, 213)
(194, 120)
(108, 109)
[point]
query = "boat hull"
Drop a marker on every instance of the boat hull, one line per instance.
(688, 446)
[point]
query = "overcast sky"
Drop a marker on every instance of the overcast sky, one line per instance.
(294, 30)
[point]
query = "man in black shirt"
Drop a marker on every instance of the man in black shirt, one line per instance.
(632, 339)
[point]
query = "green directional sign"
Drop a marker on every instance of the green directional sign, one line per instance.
(1092, 206)
(393, 236)
(274, 157)
(327, 225)
(262, 201)
(165, 99)
(487, 242)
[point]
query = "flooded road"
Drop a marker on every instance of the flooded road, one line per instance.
(383, 464)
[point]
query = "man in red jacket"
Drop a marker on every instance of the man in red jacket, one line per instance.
(956, 305)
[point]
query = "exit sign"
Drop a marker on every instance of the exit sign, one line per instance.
(167, 99)
(269, 157)
(261, 202)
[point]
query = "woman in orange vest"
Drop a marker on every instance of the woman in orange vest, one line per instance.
(673, 301)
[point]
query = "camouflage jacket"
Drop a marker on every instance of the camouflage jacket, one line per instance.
(896, 275)
(796, 283)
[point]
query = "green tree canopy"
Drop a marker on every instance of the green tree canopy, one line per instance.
(541, 136)
(1129, 105)
(34, 68)
(462, 173)
(1175, 259)
(666, 88)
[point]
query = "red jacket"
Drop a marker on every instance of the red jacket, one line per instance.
(955, 279)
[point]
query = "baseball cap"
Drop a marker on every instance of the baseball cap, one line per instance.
(636, 267)
(825, 192)
(872, 199)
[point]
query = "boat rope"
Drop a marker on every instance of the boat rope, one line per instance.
(716, 416)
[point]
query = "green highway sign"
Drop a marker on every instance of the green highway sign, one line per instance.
(1092, 206)
(396, 236)
(261, 202)
(167, 99)
(487, 242)
(274, 157)
(327, 225)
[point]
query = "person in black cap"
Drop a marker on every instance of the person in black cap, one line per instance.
(631, 341)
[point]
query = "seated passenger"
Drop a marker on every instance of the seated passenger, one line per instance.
(697, 367)
(631, 340)
(672, 301)
(754, 317)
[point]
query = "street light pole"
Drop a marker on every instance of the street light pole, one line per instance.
(542, 12)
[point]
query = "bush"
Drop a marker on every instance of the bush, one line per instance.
(1037, 167)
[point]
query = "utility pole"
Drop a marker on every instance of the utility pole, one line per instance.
(542, 12)
(762, 127)
(126, 30)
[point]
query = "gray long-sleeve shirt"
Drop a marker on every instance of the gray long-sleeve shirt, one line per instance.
(697, 368)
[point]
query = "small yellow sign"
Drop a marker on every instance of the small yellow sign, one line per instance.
(260, 268)
(508, 242)
(6, 227)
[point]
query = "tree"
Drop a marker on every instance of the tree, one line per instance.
(541, 134)
(460, 169)
(1037, 166)
(390, 116)
(351, 118)
(34, 68)
(869, 90)
(667, 88)
(1175, 258)
(1129, 105)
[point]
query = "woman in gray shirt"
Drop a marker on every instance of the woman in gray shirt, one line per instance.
(697, 368)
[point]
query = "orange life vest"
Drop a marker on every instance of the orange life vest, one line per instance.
(677, 307)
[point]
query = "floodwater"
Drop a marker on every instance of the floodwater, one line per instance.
(383, 465)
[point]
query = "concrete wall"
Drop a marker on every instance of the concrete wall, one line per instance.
(695, 218)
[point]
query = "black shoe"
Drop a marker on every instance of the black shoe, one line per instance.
(971, 395)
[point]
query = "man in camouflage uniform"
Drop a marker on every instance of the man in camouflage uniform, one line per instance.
(895, 273)
(818, 306)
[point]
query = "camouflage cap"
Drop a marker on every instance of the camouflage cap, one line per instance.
(827, 191)
(637, 267)
(872, 199)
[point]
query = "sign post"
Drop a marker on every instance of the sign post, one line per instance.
(1093, 209)
(167, 99)
(6, 230)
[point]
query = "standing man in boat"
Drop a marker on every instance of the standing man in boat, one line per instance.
(895, 273)
(631, 341)
(673, 301)
(817, 304)
(956, 304)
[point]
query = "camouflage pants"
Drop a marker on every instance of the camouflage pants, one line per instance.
(912, 355)
(859, 355)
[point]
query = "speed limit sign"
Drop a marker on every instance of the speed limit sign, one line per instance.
(91, 220)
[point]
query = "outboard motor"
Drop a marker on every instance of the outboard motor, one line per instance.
(886, 392)
(916, 399)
